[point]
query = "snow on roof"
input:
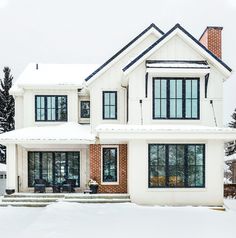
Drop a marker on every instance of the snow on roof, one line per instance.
(53, 75)
(3, 167)
(177, 64)
(163, 128)
(66, 132)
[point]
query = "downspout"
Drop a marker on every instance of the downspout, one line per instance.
(126, 101)
(213, 110)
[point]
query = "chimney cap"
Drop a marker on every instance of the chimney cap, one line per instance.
(211, 27)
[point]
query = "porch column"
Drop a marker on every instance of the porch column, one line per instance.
(11, 167)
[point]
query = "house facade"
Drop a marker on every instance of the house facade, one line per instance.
(147, 122)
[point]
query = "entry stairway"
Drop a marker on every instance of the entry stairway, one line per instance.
(44, 199)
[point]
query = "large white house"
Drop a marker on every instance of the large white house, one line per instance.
(147, 122)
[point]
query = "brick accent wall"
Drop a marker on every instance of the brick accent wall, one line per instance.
(95, 169)
(212, 39)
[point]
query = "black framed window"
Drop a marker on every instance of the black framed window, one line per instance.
(54, 167)
(85, 109)
(110, 105)
(109, 164)
(176, 166)
(50, 108)
(176, 98)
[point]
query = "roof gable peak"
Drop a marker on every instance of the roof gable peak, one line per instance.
(175, 28)
(151, 26)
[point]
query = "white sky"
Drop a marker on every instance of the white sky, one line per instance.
(80, 31)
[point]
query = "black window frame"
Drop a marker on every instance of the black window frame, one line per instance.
(183, 98)
(117, 165)
(81, 112)
(185, 166)
(46, 108)
(53, 165)
(103, 105)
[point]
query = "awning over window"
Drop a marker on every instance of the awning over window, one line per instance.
(176, 64)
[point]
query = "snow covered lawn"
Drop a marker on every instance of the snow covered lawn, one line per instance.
(115, 220)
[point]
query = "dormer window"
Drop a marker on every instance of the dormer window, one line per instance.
(50, 108)
(176, 98)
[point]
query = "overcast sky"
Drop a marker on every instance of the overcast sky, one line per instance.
(80, 31)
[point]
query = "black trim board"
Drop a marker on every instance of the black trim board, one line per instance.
(124, 48)
(177, 26)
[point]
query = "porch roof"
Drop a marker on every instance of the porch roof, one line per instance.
(165, 131)
(66, 133)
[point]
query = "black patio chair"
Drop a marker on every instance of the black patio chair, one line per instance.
(40, 185)
(69, 185)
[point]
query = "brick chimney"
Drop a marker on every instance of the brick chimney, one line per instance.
(212, 39)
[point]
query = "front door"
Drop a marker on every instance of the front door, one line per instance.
(54, 167)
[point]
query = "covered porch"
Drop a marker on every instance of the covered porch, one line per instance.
(53, 154)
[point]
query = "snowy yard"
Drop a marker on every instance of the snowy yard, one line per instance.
(116, 220)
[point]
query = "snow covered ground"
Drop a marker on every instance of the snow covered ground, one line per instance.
(116, 220)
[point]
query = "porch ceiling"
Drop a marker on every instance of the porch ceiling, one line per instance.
(66, 133)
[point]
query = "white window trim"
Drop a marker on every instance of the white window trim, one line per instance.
(118, 165)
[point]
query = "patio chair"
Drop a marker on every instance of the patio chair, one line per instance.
(69, 185)
(40, 185)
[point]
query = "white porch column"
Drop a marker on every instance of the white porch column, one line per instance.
(11, 167)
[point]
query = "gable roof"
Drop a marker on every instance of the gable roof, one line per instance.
(177, 26)
(152, 26)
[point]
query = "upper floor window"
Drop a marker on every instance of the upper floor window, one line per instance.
(51, 108)
(85, 109)
(176, 98)
(110, 105)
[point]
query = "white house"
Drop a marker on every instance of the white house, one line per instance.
(147, 122)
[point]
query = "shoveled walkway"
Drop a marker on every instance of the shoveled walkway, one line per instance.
(44, 199)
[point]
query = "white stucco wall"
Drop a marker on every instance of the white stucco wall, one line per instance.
(212, 194)
(111, 80)
(29, 106)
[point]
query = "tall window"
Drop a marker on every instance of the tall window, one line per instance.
(109, 165)
(51, 108)
(175, 98)
(85, 109)
(176, 165)
(110, 105)
(54, 167)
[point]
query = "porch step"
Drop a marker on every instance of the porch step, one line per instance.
(23, 204)
(30, 199)
(35, 195)
(44, 199)
(97, 196)
(98, 200)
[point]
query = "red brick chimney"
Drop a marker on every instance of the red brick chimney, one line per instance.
(212, 39)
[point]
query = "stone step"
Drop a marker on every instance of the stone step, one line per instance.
(97, 196)
(98, 200)
(35, 195)
(30, 199)
(23, 204)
